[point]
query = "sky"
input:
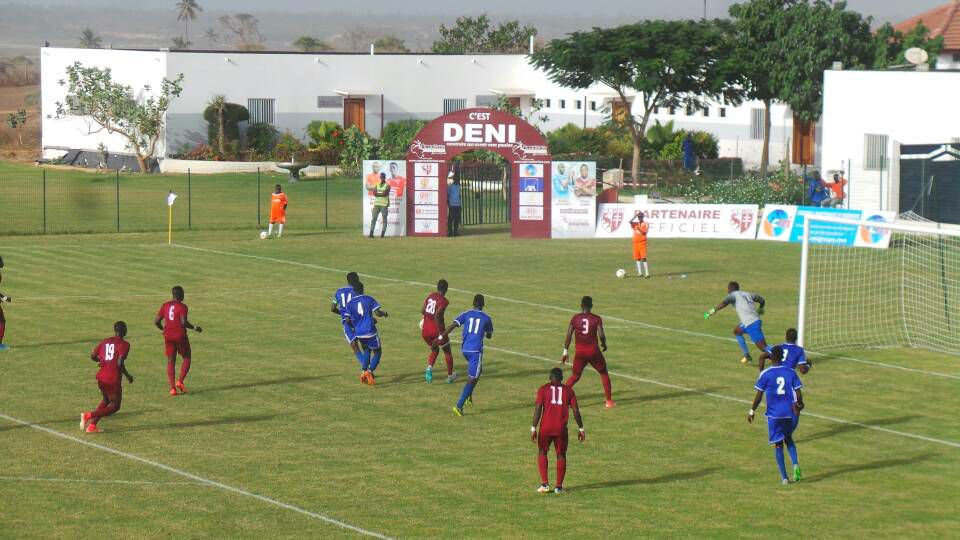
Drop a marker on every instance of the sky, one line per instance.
(881, 10)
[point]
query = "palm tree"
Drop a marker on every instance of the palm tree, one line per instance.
(90, 40)
(187, 11)
(219, 104)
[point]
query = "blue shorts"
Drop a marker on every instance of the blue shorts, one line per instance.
(348, 332)
(755, 331)
(474, 364)
(781, 428)
(372, 342)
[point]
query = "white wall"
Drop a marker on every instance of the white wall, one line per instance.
(947, 60)
(910, 107)
(133, 68)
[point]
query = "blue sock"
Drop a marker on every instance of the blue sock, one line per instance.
(743, 345)
(359, 355)
(375, 360)
(778, 451)
(464, 394)
(365, 361)
(792, 448)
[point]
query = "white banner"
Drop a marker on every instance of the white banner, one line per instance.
(397, 213)
(573, 199)
(733, 221)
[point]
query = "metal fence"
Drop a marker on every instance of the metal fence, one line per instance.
(58, 201)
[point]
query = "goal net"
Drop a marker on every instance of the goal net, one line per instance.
(907, 295)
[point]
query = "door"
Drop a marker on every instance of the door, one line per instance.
(514, 102)
(804, 138)
(484, 191)
(354, 113)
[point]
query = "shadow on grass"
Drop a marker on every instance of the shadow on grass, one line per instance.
(869, 466)
(226, 420)
(255, 384)
(57, 343)
(73, 420)
(440, 377)
(665, 479)
(591, 400)
(843, 429)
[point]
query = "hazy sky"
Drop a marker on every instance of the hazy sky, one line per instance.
(882, 10)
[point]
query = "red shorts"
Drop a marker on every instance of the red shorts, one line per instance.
(429, 336)
(590, 356)
(559, 442)
(179, 346)
(110, 388)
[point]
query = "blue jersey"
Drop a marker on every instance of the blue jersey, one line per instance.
(793, 355)
(360, 313)
(779, 384)
(475, 324)
(341, 298)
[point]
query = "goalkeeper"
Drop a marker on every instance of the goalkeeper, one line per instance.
(746, 305)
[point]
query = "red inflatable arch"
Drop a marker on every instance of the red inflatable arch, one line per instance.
(478, 129)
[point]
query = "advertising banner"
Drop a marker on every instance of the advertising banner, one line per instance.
(574, 199)
(732, 221)
(394, 170)
(785, 224)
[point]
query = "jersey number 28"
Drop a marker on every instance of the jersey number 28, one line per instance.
(431, 307)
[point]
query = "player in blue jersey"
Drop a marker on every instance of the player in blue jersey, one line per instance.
(794, 357)
(746, 305)
(339, 306)
(784, 402)
(476, 325)
(361, 310)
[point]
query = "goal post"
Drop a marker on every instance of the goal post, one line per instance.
(904, 295)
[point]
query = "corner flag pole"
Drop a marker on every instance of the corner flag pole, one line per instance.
(171, 197)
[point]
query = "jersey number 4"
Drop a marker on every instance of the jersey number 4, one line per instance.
(556, 395)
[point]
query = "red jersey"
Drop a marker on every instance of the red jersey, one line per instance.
(173, 314)
(434, 305)
(585, 329)
(556, 399)
(109, 352)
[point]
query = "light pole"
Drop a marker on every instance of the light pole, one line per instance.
(704, 9)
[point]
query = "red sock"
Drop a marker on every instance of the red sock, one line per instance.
(448, 358)
(607, 390)
(561, 470)
(3, 327)
(184, 369)
(432, 359)
(542, 465)
(572, 380)
(101, 411)
(171, 372)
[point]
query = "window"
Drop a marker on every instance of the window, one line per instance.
(563, 104)
(579, 104)
(756, 123)
(656, 110)
(673, 110)
(329, 102)
(689, 110)
(706, 112)
(485, 101)
(261, 110)
(547, 103)
(453, 105)
(956, 58)
(875, 152)
(593, 105)
(723, 112)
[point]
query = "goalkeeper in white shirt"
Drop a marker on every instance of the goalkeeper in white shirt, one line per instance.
(746, 305)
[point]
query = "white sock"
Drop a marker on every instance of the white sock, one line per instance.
(646, 269)
(639, 269)
(279, 230)
(269, 229)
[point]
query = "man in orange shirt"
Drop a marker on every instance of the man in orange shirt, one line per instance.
(278, 211)
(398, 182)
(640, 229)
(836, 190)
(371, 180)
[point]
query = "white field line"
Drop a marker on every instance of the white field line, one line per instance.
(561, 309)
(196, 478)
(907, 434)
(91, 481)
(112, 297)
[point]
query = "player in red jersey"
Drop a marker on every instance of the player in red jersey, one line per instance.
(431, 327)
(172, 320)
(111, 353)
(3, 321)
(554, 401)
(589, 329)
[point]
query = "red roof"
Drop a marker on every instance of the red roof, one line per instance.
(942, 21)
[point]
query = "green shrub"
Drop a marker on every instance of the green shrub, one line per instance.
(397, 136)
(233, 114)
(288, 148)
(705, 146)
(261, 138)
(357, 146)
(778, 189)
(324, 133)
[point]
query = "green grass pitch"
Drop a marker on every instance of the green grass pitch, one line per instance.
(277, 438)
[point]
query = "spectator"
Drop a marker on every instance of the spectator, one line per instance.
(836, 190)
(381, 204)
(817, 191)
(453, 207)
(689, 153)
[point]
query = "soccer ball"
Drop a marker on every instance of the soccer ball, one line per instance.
(263, 235)
(621, 273)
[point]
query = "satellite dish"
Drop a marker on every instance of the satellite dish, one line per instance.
(916, 56)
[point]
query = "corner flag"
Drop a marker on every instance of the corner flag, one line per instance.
(171, 197)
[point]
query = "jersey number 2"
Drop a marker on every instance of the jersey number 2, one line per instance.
(780, 385)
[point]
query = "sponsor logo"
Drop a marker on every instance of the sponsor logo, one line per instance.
(611, 219)
(776, 223)
(531, 185)
(423, 151)
(741, 220)
(874, 235)
(524, 151)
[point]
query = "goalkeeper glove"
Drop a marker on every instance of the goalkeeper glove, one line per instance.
(707, 314)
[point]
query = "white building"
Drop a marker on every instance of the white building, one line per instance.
(868, 114)
(289, 90)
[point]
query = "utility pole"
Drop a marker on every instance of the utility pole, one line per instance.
(704, 9)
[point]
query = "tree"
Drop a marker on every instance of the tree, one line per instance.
(219, 104)
(390, 44)
(245, 29)
(25, 63)
(90, 40)
(114, 107)
(212, 37)
(891, 44)
(16, 121)
(476, 35)
(180, 43)
(817, 34)
(311, 44)
(668, 63)
(187, 11)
